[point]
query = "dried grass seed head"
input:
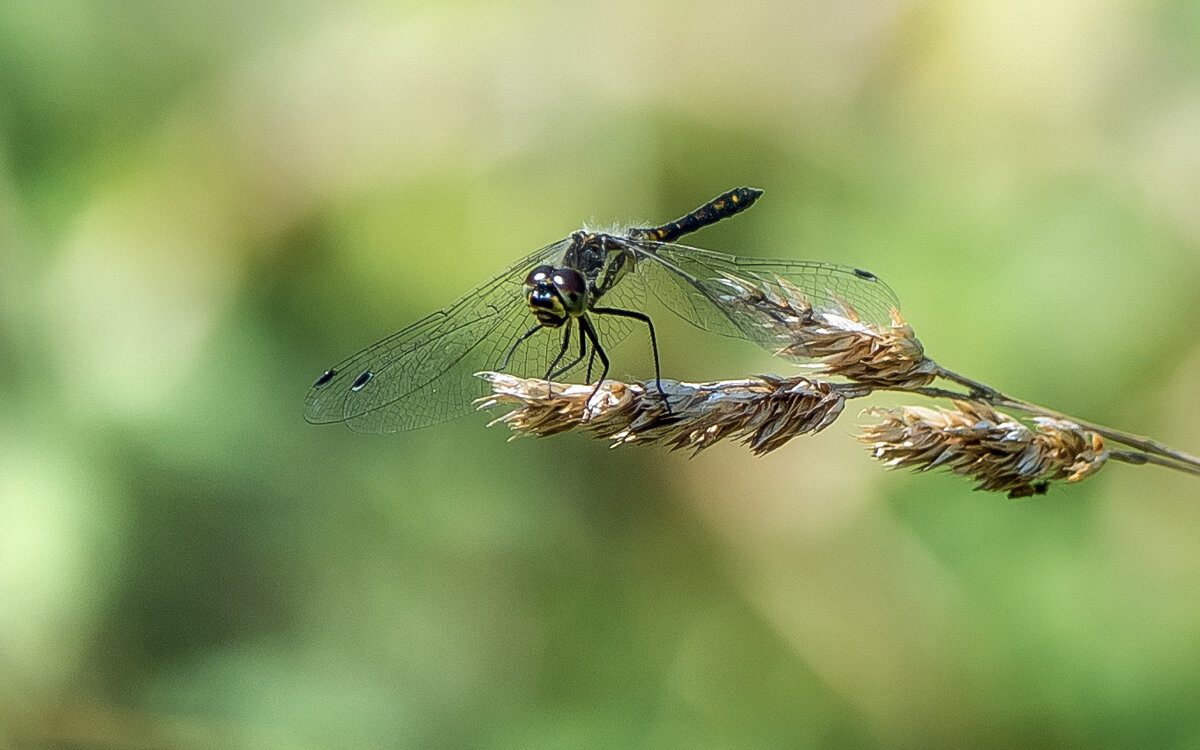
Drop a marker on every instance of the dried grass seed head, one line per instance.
(764, 413)
(973, 439)
(837, 339)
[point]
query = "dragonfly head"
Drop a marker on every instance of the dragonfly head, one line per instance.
(555, 294)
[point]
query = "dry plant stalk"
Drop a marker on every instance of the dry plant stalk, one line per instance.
(973, 439)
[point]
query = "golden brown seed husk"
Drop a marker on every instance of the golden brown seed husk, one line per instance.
(763, 412)
(973, 439)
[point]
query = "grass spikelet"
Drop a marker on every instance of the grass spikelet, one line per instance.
(763, 413)
(973, 439)
(838, 341)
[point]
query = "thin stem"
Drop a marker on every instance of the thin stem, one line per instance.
(1140, 459)
(981, 391)
(1134, 441)
(944, 393)
(1170, 457)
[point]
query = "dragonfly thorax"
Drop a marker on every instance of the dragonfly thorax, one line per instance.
(603, 260)
(555, 295)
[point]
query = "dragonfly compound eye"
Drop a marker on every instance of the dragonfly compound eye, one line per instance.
(544, 300)
(539, 275)
(572, 288)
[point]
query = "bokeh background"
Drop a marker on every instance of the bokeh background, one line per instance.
(203, 205)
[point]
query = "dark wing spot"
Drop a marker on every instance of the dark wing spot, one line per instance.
(361, 380)
(325, 378)
(865, 275)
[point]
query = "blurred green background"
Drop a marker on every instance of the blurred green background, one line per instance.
(203, 205)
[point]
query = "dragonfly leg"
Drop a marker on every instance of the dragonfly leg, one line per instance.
(586, 326)
(653, 345)
(551, 373)
(513, 349)
(570, 365)
(566, 341)
(591, 361)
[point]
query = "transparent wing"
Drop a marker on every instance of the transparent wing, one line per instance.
(688, 280)
(425, 373)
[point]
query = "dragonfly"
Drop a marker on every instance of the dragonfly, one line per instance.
(592, 285)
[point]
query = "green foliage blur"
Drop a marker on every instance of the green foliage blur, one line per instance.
(204, 205)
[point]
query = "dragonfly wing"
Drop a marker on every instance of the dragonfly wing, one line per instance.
(692, 282)
(425, 373)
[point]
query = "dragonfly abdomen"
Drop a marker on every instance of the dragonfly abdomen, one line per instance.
(722, 207)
